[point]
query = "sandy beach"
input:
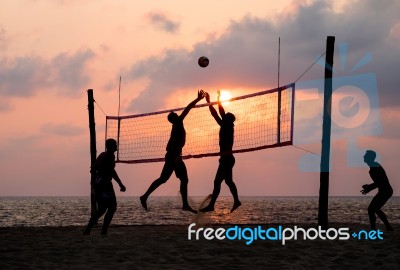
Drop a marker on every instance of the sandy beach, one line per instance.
(168, 247)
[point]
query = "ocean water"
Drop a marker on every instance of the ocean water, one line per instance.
(75, 211)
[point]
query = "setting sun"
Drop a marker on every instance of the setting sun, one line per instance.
(225, 96)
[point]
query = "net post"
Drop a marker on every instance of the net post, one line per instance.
(326, 136)
(93, 151)
(119, 119)
(118, 133)
(279, 116)
(292, 112)
(279, 94)
(105, 134)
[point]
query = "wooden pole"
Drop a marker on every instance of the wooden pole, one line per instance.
(326, 136)
(93, 151)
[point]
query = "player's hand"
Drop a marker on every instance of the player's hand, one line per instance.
(207, 96)
(365, 189)
(200, 94)
(123, 188)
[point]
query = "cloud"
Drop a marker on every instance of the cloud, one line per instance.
(62, 3)
(20, 146)
(395, 32)
(5, 106)
(3, 38)
(70, 71)
(26, 75)
(246, 54)
(161, 21)
(62, 129)
(22, 76)
(234, 61)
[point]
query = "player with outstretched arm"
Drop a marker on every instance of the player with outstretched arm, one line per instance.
(227, 160)
(173, 159)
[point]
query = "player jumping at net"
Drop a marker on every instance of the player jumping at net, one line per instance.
(173, 159)
(385, 190)
(227, 160)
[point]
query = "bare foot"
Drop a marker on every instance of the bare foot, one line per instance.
(143, 201)
(236, 205)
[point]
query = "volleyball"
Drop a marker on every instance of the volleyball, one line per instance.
(203, 61)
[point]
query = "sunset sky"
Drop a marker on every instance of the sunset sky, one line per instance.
(51, 52)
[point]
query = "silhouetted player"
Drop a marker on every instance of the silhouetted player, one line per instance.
(227, 160)
(385, 191)
(173, 159)
(104, 168)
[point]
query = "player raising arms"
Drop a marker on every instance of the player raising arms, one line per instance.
(227, 160)
(173, 159)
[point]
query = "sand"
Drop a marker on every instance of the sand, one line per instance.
(167, 247)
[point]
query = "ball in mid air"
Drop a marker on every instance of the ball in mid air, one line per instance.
(203, 61)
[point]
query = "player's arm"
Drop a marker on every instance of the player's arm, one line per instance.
(220, 108)
(95, 167)
(212, 110)
(200, 95)
(116, 178)
(373, 186)
(367, 188)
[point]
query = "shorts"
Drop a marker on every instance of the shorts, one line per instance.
(227, 162)
(174, 163)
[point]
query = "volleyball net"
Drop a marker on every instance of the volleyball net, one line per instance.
(263, 120)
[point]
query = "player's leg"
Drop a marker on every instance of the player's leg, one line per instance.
(219, 177)
(95, 217)
(228, 166)
(112, 207)
(165, 175)
(381, 201)
(372, 209)
(181, 174)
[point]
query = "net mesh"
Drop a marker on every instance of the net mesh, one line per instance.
(143, 138)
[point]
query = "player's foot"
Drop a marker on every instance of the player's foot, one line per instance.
(143, 201)
(389, 228)
(86, 232)
(104, 231)
(188, 208)
(236, 205)
(207, 209)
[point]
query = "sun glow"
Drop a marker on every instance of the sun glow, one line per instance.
(225, 96)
